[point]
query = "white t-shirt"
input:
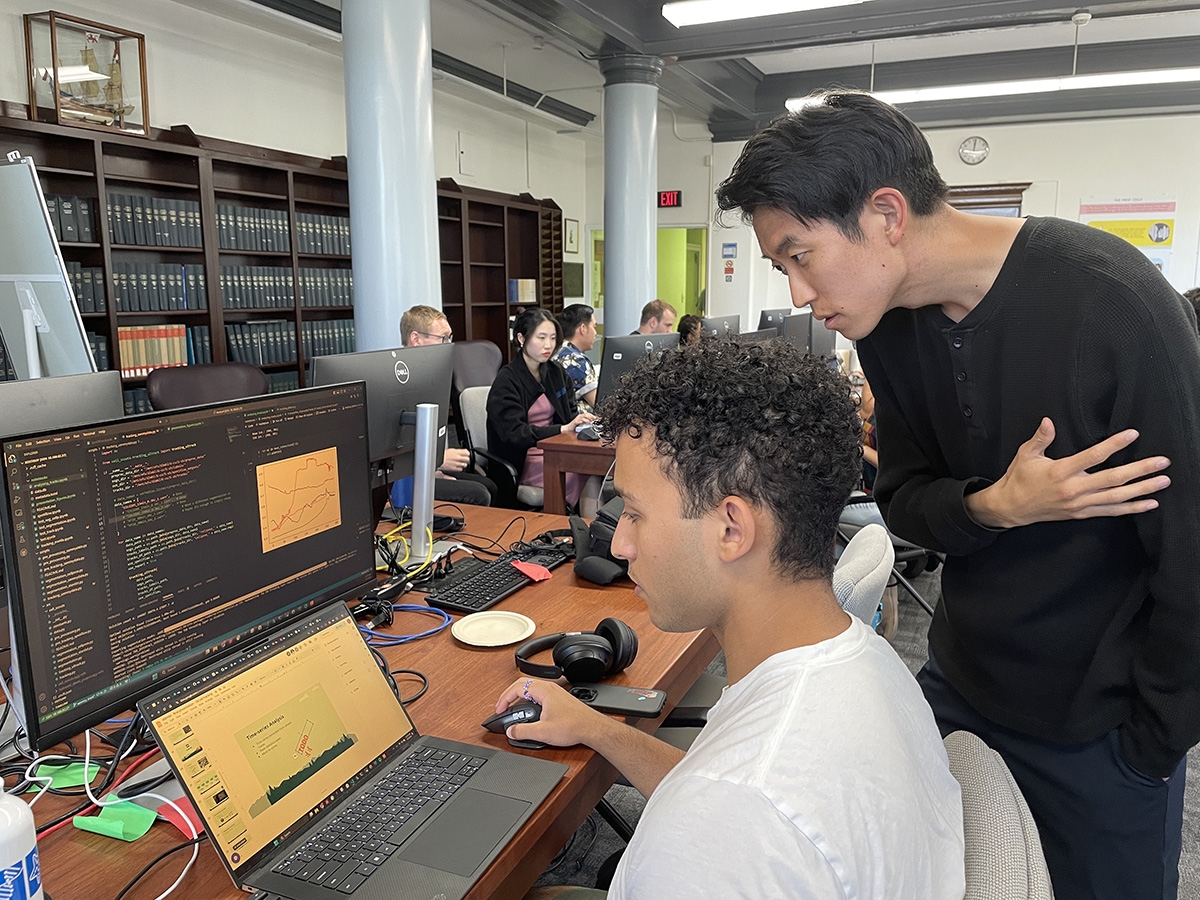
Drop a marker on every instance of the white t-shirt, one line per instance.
(819, 775)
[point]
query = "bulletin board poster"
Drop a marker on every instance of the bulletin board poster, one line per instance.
(1147, 224)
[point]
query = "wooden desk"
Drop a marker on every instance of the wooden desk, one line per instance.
(463, 685)
(567, 453)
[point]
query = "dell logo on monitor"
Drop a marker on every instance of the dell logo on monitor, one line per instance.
(649, 346)
(401, 371)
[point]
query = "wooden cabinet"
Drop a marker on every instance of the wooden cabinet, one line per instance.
(496, 252)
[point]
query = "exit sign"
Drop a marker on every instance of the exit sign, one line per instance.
(667, 199)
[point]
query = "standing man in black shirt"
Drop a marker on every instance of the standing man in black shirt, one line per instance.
(1035, 379)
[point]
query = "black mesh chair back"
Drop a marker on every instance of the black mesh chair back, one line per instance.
(178, 386)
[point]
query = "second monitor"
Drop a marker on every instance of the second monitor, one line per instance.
(622, 352)
(397, 381)
(721, 326)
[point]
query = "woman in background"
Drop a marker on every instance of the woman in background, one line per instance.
(689, 329)
(533, 398)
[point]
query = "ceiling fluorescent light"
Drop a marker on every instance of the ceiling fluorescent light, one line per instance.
(1030, 86)
(682, 13)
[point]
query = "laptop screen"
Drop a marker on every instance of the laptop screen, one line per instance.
(264, 741)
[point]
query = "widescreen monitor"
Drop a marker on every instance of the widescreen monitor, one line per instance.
(63, 402)
(721, 326)
(622, 352)
(810, 335)
(397, 381)
(756, 337)
(39, 320)
(773, 318)
(142, 547)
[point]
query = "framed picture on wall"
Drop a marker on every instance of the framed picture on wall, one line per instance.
(571, 235)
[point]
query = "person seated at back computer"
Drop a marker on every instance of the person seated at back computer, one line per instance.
(658, 317)
(532, 398)
(578, 324)
(690, 329)
(419, 326)
(820, 772)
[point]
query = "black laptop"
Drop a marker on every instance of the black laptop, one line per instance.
(313, 783)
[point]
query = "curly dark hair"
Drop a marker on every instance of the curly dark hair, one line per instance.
(763, 422)
(822, 163)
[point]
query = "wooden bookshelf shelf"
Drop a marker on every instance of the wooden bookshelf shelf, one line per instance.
(192, 179)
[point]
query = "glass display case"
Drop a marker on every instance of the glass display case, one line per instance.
(84, 73)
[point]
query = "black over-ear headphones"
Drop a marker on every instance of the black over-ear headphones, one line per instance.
(582, 656)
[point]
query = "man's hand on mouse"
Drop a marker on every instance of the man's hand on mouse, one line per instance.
(565, 721)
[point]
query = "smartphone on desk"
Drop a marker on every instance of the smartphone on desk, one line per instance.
(621, 700)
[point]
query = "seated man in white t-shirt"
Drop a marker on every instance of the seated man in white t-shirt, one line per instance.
(820, 772)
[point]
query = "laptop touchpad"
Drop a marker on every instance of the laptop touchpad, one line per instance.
(465, 832)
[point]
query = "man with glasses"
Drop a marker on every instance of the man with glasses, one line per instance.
(419, 326)
(423, 325)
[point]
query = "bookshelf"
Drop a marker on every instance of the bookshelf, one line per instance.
(201, 250)
(497, 253)
(248, 249)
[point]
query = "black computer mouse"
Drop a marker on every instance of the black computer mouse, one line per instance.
(521, 711)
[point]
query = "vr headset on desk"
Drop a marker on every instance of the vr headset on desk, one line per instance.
(593, 544)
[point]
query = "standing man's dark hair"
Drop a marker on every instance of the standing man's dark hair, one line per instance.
(786, 165)
(1015, 363)
(1193, 297)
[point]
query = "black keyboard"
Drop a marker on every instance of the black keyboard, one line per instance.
(474, 586)
(358, 840)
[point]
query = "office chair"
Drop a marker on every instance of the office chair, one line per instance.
(911, 560)
(1004, 857)
(475, 365)
(178, 386)
(473, 407)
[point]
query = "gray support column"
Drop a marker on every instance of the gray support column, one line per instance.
(387, 53)
(630, 186)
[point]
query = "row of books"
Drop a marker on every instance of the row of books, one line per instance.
(261, 343)
(146, 347)
(89, 287)
(158, 287)
(326, 287)
(137, 400)
(73, 218)
(283, 381)
(317, 233)
(522, 290)
(251, 228)
(99, 345)
(257, 287)
(274, 340)
(154, 221)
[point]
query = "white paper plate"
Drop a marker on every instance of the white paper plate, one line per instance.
(493, 628)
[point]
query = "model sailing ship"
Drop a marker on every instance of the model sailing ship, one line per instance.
(80, 95)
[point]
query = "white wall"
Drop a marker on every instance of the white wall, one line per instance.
(222, 78)
(1145, 157)
(229, 80)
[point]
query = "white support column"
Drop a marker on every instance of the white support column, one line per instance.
(387, 52)
(630, 186)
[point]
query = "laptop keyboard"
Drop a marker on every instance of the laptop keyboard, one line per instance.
(358, 840)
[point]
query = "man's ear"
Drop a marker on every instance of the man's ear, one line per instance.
(736, 529)
(889, 208)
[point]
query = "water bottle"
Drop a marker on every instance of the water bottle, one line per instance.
(20, 872)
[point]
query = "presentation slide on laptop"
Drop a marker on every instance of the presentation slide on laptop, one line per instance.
(262, 749)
